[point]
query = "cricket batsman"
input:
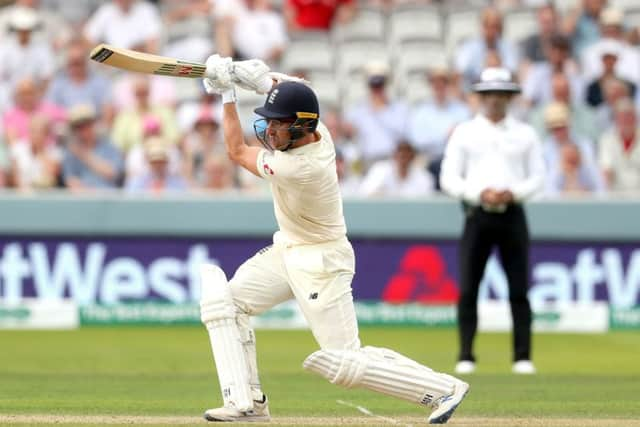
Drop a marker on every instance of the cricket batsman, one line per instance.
(310, 260)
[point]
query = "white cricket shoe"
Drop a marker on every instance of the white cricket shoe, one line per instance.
(229, 414)
(524, 367)
(465, 367)
(445, 406)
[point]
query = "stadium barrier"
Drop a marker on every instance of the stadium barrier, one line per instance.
(125, 260)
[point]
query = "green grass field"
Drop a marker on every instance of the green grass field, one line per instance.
(165, 376)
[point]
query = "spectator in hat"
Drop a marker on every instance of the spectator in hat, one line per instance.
(52, 27)
(378, 122)
(493, 163)
(613, 40)
(583, 118)
(91, 162)
(21, 55)
(471, 58)
(158, 178)
(570, 159)
(136, 163)
(399, 176)
(610, 52)
(619, 150)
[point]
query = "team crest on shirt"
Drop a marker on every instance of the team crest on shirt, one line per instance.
(267, 169)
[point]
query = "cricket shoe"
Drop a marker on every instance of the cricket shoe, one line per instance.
(229, 414)
(446, 405)
(524, 367)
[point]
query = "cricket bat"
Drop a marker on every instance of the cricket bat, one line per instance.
(147, 63)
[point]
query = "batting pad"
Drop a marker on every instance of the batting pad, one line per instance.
(381, 370)
(218, 314)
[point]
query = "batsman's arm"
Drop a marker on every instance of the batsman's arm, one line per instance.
(237, 149)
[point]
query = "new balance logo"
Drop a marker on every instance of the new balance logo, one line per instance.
(313, 295)
(427, 399)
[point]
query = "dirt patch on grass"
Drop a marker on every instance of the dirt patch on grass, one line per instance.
(75, 420)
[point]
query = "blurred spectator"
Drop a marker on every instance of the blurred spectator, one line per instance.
(158, 178)
(90, 161)
(536, 88)
(189, 29)
(582, 24)
(28, 103)
(188, 112)
(619, 150)
(571, 177)
(533, 47)
(610, 52)
(582, 118)
(5, 165)
(22, 55)
(74, 12)
(317, 15)
(36, 161)
(128, 127)
(348, 181)
(568, 171)
(132, 24)
(378, 122)
(79, 84)
(203, 141)
(397, 177)
(614, 90)
(217, 173)
(247, 29)
(162, 91)
(613, 40)
(52, 27)
(431, 122)
(136, 164)
(471, 57)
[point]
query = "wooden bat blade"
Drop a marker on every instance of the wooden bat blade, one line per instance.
(147, 63)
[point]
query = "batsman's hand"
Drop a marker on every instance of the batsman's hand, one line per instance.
(253, 75)
(218, 78)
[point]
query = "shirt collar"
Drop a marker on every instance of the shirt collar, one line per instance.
(502, 124)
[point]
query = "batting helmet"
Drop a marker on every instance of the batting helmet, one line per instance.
(289, 100)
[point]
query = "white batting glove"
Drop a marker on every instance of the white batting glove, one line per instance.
(253, 75)
(218, 74)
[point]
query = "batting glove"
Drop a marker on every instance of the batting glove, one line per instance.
(218, 77)
(252, 75)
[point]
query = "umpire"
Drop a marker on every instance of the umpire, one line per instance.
(493, 163)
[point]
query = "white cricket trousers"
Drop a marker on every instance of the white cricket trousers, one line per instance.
(317, 276)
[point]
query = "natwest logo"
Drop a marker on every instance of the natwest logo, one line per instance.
(422, 276)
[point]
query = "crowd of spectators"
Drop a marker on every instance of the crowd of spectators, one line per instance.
(68, 123)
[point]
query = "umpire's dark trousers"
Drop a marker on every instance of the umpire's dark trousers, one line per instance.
(508, 232)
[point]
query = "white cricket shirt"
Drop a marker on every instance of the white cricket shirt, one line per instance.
(306, 194)
(503, 156)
